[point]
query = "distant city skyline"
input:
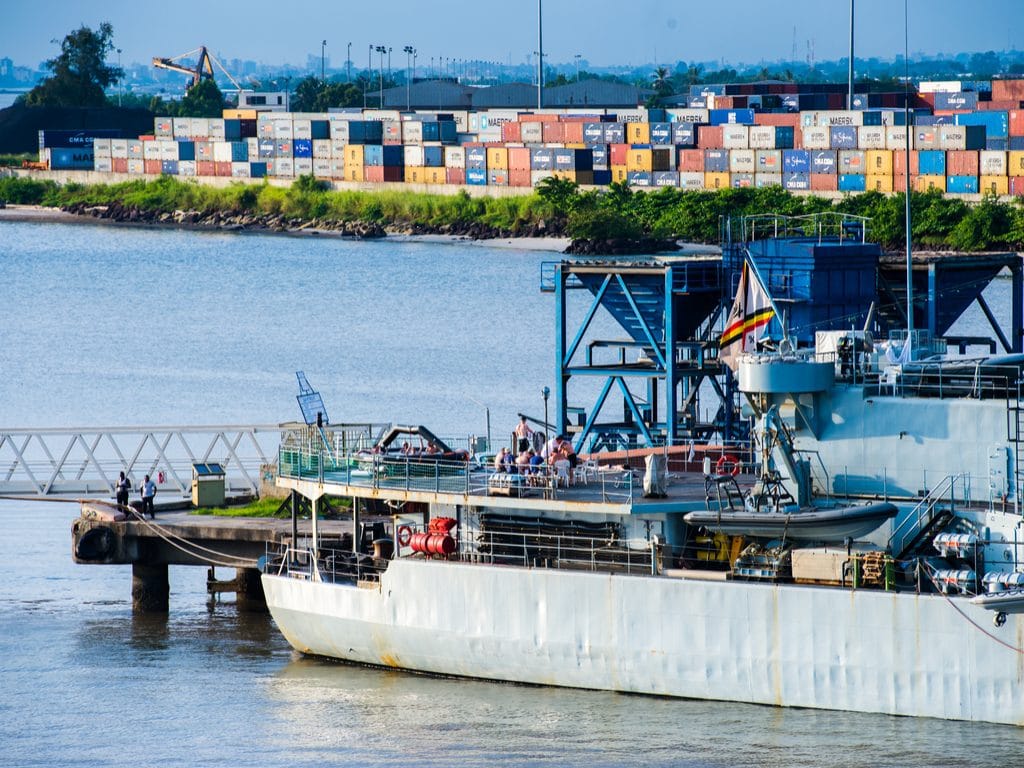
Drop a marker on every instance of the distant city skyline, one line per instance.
(603, 34)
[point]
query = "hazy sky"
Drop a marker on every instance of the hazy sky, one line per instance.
(601, 31)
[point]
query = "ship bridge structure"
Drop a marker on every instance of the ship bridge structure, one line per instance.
(636, 339)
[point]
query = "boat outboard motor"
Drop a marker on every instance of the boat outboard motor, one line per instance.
(655, 476)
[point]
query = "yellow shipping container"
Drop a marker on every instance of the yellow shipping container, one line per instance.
(497, 159)
(239, 114)
(878, 162)
(638, 133)
(928, 182)
(1016, 164)
(619, 172)
(716, 181)
(994, 185)
(567, 175)
(353, 173)
(353, 156)
(877, 182)
(639, 159)
(574, 145)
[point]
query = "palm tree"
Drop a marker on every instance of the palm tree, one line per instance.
(661, 83)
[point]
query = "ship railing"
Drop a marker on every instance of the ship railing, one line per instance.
(922, 514)
(326, 564)
(570, 552)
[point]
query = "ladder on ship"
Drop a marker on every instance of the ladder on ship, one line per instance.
(925, 521)
(1015, 434)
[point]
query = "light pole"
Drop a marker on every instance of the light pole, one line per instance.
(546, 392)
(487, 413)
(540, 56)
(849, 100)
(348, 64)
(409, 51)
(323, 62)
(120, 78)
(577, 57)
(381, 50)
(389, 62)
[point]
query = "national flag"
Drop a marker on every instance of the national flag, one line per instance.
(751, 311)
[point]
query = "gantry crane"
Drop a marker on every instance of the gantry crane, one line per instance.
(203, 69)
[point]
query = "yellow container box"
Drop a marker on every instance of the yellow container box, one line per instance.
(878, 162)
(994, 185)
(1015, 162)
(240, 114)
(638, 133)
(619, 173)
(716, 181)
(353, 173)
(640, 159)
(354, 157)
(497, 159)
(877, 182)
(929, 182)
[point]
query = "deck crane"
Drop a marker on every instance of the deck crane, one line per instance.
(203, 69)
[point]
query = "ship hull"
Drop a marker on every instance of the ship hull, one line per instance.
(785, 645)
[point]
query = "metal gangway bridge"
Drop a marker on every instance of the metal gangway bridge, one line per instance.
(86, 461)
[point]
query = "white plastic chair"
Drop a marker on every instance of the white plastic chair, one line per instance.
(562, 467)
(584, 471)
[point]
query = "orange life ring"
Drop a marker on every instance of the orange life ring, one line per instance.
(404, 535)
(724, 460)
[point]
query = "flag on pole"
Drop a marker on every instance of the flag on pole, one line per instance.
(751, 311)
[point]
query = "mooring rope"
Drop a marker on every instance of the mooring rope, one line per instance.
(968, 619)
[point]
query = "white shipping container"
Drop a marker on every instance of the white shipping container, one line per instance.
(240, 171)
(187, 168)
(303, 166)
(852, 161)
(182, 127)
(222, 151)
(337, 168)
(992, 162)
(370, 114)
(252, 147)
(926, 137)
(688, 116)
(455, 157)
(952, 137)
(768, 160)
(168, 149)
(281, 166)
(735, 136)
(200, 127)
(413, 155)
(742, 161)
(761, 137)
(119, 148)
(412, 132)
(283, 130)
(339, 131)
(134, 148)
(816, 138)
(940, 86)
(102, 164)
(829, 118)
(216, 129)
(151, 150)
(137, 166)
(338, 148)
(767, 179)
(896, 137)
(691, 180)
(302, 129)
(322, 167)
(321, 149)
(531, 132)
(101, 148)
(163, 127)
(871, 137)
(638, 115)
(536, 177)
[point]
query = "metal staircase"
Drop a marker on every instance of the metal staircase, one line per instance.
(926, 520)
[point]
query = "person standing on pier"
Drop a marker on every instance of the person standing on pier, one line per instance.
(523, 434)
(148, 492)
(124, 485)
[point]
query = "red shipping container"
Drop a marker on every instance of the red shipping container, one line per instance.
(532, 117)
(518, 177)
(962, 163)
(455, 175)
(147, 137)
(997, 106)
(153, 166)
(375, 173)
(1007, 90)
(204, 168)
(1016, 186)
(1017, 122)
(519, 159)
(511, 132)
(778, 118)
(724, 102)
(554, 133)
(221, 169)
(824, 182)
(837, 101)
(573, 132)
(709, 137)
(690, 160)
(617, 154)
(119, 165)
(595, 118)
(899, 162)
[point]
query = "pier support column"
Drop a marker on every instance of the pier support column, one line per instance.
(249, 596)
(150, 588)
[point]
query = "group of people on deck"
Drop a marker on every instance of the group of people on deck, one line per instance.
(530, 462)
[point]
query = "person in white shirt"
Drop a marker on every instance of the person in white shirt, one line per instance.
(148, 492)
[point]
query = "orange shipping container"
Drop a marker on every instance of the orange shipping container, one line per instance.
(573, 132)
(791, 119)
(204, 168)
(554, 133)
(690, 160)
(824, 182)
(618, 152)
(878, 161)
(119, 165)
(518, 160)
(455, 175)
(709, 137)
(962, 163)
(899, 162)
(1017, 122)
(518, 177)
(222, 168)
(153, 166)
(511, 132)
(1008, 90)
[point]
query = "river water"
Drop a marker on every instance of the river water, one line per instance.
(105, 326)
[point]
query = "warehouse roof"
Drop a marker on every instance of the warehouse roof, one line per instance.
(448, 94)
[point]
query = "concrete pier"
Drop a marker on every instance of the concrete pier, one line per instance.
(151, 589)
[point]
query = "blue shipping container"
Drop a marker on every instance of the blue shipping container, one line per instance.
(999, 145)
(257, 170)
(476, 176)
(320, 129)
(602, 177)
(433, 157)
(593, 133)
(82, 138)
(600, 154)
(716, 160)
(304, 148)
(959, 100)
(614, 133)
(232, 130)
(796, 181)
(852, 182)
(731, 116)
(542, 159)
(703, 90)
(365, 131)
(962, 185)
(931, 162)
(843, 137)
(796, 161)
(684, 134)
(638, 179)
(996, 122)
(169, 167)
(665, 179)
(1015, 143)
(661, 133)
(186, 150)
(823, 161)
(476, 159)
(240, 152)
(267, 148)
(72, 158)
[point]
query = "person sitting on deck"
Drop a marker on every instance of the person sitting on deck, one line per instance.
(536, 463)
(523, 462)
(406, 449)
(432, 449)
(500, 460)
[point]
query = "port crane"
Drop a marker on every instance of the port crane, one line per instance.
(203, 68)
